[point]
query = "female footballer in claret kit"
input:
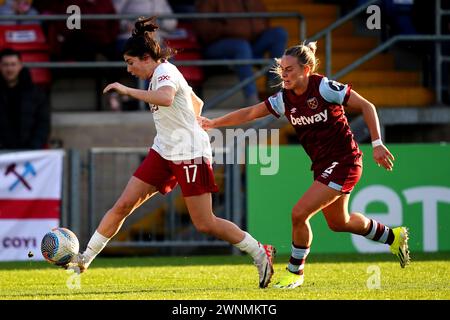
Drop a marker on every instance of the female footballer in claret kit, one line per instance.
(314, 106)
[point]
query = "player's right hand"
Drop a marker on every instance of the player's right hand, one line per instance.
(118, 87)
(383, 157)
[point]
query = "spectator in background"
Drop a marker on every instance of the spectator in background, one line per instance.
(182, 6)
(24, 111)
(18, 7)
(143, 7)
(240, 38)
(94, 38)
(399, 16)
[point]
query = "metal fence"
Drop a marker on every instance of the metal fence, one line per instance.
(162, 221)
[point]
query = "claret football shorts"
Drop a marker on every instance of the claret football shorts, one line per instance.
(195, 176)
(341, 176)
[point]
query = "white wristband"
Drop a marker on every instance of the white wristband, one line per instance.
(377, 143)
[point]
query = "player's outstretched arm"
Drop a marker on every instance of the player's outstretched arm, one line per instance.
(162, 96)
(236, 117)
(381, 154)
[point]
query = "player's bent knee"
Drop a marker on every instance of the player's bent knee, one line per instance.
(299, 216)
(206, 228)
(337, 227)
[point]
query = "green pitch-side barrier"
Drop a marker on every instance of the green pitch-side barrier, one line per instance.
(415, 194)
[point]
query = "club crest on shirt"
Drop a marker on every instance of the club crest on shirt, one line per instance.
(312, 103)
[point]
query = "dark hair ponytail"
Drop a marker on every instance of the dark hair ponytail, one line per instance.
(142, 41)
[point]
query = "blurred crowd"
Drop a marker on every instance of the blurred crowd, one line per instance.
(103, 39)
(214, 38)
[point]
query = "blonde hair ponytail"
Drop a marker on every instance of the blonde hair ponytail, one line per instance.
(305, 54)
(312, 46)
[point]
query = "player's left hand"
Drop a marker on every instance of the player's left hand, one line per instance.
(116, 86)
(205, 123)
(383, 157)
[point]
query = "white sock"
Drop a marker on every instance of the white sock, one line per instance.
(95, 246)
(251, 246)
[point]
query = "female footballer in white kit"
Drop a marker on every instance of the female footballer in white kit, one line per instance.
(181, 153)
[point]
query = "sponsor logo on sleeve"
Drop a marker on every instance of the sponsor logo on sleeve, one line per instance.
(163, 78)
(336, 86)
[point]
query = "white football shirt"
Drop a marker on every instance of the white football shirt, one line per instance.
(178, 134)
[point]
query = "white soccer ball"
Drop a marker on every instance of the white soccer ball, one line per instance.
(59, 246)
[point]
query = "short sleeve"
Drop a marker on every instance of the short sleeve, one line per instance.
(334, 92)
(275, 104)
(165, 76)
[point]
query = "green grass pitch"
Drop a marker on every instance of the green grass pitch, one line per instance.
(344, 276)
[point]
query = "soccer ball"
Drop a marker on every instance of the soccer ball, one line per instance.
(59, 246)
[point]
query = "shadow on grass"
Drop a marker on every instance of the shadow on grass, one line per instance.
(124, 262)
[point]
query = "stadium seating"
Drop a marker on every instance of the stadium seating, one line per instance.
(30, 41)
(377, 79)
(188, 48)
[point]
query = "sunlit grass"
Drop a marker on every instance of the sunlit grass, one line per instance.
(346, 276)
